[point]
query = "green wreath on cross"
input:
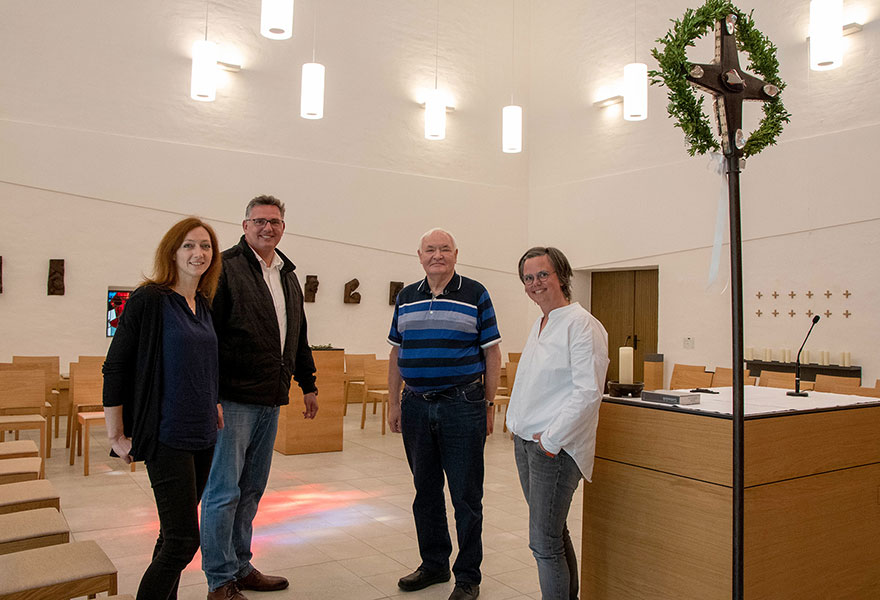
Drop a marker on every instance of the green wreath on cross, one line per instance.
(684, 105)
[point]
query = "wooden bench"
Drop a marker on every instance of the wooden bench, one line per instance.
(22, 422)
(57, 572)
(29, 529)
(18, 449)
(13, 470)
(28, 495)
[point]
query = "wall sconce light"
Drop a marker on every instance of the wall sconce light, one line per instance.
(609, 101)
(276, 19)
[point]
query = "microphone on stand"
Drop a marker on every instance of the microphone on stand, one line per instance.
(797, 367)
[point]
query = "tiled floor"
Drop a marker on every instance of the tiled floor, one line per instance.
(338, 525)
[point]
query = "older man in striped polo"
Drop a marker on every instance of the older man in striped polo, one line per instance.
(445, 350)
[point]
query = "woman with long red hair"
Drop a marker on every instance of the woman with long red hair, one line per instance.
(160, 392)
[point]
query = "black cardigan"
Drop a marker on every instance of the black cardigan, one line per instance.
(133, 369)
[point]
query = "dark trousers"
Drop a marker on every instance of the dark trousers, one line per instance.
(445, 433)
(178, 478)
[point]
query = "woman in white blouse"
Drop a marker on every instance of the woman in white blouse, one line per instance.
(553, 413)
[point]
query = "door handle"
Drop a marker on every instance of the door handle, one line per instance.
(635, 342)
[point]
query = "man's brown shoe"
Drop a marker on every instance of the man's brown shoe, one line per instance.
(262, 583)
(227, 591)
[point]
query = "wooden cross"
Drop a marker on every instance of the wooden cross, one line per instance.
(828, 293)
(775, 313)
(810, 313)
(758, 312)
(827, 314)
(791, 294)
(847, 293)
(809, 294)
(791, 313)
(759, 295)
(725, 80)
(847, 313)
(775, 295)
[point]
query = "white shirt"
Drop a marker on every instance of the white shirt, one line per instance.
(272, 277)
(559, 384)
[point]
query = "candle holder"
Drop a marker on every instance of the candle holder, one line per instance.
(620, 390)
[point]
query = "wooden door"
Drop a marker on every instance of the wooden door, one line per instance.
(625, 302)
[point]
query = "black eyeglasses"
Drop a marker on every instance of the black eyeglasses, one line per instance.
(264, 222)
(540, 276)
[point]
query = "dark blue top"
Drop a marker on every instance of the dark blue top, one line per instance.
(441, 338)
(188, 414)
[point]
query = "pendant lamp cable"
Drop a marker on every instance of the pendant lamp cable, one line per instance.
(315, 32)
(437, 45)
(512, 50)
(206, 20)
(635, 29)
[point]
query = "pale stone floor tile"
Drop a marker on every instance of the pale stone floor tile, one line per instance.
(339, 525)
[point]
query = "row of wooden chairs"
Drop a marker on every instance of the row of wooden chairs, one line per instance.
(696, 376)
(37, 558)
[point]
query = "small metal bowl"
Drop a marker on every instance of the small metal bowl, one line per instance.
(615, 388)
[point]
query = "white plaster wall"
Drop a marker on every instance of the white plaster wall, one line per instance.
(101, 149)
(618, 194)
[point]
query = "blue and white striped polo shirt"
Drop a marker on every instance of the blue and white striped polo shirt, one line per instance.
(441, 338)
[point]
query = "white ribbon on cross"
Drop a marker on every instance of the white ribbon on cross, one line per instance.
(718, 164)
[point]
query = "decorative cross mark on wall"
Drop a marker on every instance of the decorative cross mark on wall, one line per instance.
(775, 313)
(847, 313)
(828, 293)
(791, 313)
(759, 295)
(827, 314)
(758, 312)
(775, 295)
(810, 314)
(792, 295)
(847, 293)
(809, 294)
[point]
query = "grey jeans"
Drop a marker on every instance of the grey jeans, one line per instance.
(548, 484)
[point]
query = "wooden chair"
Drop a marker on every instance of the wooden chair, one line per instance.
(354, 378)
(514, 356)
(19, 449)
(61, 571)
(775, 379)
(86, 390)
(23, 403)
(836, 385)
(685, 377)
(653, 370)
(375, 382)
(46, 409)
(865, 391)
(14, 470)
(723, 377)
(50, 366)
(503, 400)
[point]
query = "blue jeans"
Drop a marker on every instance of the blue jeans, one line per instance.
(445, 432)
(242, 459)
(548, 485)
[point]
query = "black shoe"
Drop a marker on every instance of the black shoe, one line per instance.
(465, 591)
(419, 579)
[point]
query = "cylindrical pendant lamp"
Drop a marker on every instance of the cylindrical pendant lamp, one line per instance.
(635, 92)
(435, 115)
(312, 95)
(276, 19)
(511, 129)
(826, 34)
(204, 71)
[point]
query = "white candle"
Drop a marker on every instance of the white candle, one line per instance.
(824, 358)
(788, 355)
(805, 357)
(768, 355)
(749, 353)
(846, 360)
(626, 364)
(782, 355)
